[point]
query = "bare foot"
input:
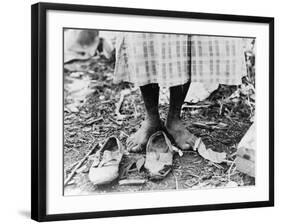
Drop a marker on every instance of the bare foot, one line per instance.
(138, 140)
(183, 138)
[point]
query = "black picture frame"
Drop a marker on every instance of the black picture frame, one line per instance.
(39, 108)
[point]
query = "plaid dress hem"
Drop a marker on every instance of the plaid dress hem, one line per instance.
(171, 59)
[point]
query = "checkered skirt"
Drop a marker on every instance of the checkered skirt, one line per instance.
(171, 59)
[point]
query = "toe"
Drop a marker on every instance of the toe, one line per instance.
(135, 148)
(130, 141)
(131, 145)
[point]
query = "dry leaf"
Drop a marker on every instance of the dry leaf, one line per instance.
(209, 154)
(140, 163)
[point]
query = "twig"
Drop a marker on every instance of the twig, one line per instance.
(221, 107)
(228, 171)
(90, 121)
(176, 180)
(196, 106)
(209, 125)
(119, 104)
(227, 161)
(75, 150)
(216, 165)
(229, 118)
(80, 163)
(106, 101)
(194, 175)
(115, 122)
(72, 165)
(124, 133)
(132, 182)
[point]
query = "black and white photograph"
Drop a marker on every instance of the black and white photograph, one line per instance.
(154, 111)
(142, 111)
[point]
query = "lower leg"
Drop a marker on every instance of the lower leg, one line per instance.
(150, 95)
(177, 96)
(152, 122)
(175, 127)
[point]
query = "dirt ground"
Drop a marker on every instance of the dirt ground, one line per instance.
(90, 99)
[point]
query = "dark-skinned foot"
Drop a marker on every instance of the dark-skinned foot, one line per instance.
(182, 137)
(137, 141)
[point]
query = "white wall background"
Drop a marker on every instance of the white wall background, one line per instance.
(15, 110)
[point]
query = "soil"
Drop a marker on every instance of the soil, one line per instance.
(90, 99)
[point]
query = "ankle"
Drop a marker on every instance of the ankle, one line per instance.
(154, 119)
(172, 119)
